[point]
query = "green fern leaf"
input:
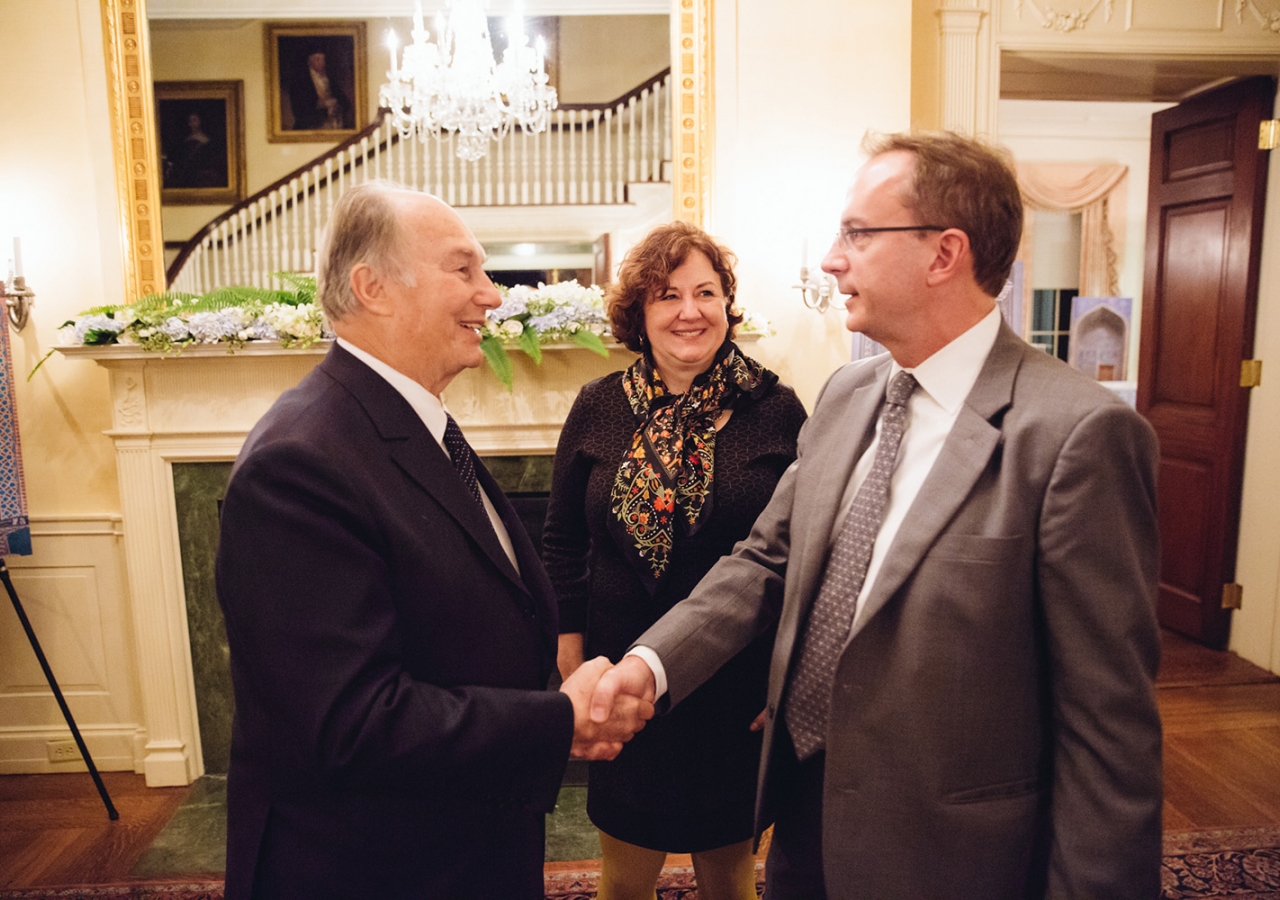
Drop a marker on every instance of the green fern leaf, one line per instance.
(589, 340)
(529, 344)
(496, 356)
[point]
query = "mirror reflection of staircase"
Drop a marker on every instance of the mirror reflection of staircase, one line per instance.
(596, 180)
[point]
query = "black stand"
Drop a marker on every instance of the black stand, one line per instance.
(57, 692)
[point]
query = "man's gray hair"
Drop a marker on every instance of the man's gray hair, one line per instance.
(363, 229)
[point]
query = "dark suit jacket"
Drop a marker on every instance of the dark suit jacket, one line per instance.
(393, 736)
(993, 730)
(303, 102)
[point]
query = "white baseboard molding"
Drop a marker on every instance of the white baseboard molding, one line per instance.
(113, 748)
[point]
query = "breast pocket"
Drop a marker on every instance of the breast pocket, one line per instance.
(980, 549)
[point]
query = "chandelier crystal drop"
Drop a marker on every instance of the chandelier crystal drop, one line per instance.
(456, 85)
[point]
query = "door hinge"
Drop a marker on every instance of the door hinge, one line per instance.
(1250, 373)
(1232, 596)
(1269, 134)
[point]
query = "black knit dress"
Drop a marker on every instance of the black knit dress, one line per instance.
(686, 783)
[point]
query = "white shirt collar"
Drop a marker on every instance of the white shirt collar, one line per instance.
(949, 374)
(427, 405)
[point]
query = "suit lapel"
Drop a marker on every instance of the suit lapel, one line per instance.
(411, 446)
(964, 456)
(825, 474)
(424, 460)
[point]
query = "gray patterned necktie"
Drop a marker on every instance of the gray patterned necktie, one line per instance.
(809, 695)
(463, 457)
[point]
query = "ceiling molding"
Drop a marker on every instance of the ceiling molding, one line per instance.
(371, 9)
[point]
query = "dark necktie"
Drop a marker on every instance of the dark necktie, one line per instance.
(463, 457)
(809, 694)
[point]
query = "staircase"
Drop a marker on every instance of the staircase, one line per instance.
(611, 157)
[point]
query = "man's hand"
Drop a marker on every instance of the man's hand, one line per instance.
(630, 678)
(602, 738)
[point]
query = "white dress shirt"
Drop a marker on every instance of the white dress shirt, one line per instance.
(944, 379)
(431, 410)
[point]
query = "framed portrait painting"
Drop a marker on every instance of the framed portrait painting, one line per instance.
(315, 81)
(201, 137)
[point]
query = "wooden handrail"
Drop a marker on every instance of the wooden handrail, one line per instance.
(189, 247)
(370, 130)
(634, 92)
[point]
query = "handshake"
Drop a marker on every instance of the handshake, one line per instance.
(610, 704)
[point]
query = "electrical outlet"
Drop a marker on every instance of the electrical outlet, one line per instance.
(63, 751)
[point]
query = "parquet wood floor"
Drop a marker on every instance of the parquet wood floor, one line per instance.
(1222, 770)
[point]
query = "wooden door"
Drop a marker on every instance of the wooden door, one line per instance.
(1204, 234)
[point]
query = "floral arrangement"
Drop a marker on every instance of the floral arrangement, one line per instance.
(234, 316)
(548, 314)
(528, 319)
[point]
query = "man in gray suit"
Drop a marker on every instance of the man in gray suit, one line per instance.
(961, 564)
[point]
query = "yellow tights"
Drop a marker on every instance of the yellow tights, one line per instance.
(628, 872)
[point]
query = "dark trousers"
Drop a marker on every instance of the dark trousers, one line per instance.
(793, 870)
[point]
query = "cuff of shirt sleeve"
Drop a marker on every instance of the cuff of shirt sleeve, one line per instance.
(650, 659)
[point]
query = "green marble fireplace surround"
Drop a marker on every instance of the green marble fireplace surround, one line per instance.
(198, 488)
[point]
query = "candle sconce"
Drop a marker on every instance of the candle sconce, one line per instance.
(817, 292)
(18, 299)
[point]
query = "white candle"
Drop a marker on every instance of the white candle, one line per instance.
(392, 43)
(804, 254)
(17, 258)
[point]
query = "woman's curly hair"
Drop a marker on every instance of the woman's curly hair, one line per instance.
(646, 271)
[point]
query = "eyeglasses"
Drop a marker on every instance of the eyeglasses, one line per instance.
(846, 236)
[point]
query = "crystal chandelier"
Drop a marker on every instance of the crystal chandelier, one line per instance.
(456, 85)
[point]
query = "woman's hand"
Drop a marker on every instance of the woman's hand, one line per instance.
(569, 654)
(758, 722)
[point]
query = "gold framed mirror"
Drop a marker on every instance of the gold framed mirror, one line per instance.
(134, 141)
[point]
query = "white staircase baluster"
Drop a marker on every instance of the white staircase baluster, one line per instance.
(261, 246)
(560, 186)
(242, 247)
(224, 252)
(271, 238)
(328, 194)
(537, 166)
(631, 140)
(501, 170)
(403, 152)
(644, 136)
(295, 255)
(573, 156)
(452, 183)
(608, 155)
(595, 157)
(658, 119)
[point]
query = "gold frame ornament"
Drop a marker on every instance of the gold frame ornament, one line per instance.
(693, 111)
(133, 136)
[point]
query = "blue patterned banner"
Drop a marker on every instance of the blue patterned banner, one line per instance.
(15, 528)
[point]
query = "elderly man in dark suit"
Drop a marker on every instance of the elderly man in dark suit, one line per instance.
(961, 565)
(392, 630)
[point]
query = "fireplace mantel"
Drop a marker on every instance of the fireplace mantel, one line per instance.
(198, 406)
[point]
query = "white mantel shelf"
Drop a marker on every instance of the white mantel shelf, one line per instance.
(198, 406)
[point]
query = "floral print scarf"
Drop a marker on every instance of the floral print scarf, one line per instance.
(665, 479)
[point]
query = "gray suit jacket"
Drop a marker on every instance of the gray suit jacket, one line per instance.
(993, 730)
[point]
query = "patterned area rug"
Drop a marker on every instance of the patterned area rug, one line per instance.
(1239, 864)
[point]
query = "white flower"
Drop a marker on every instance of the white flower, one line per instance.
(513, 327)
